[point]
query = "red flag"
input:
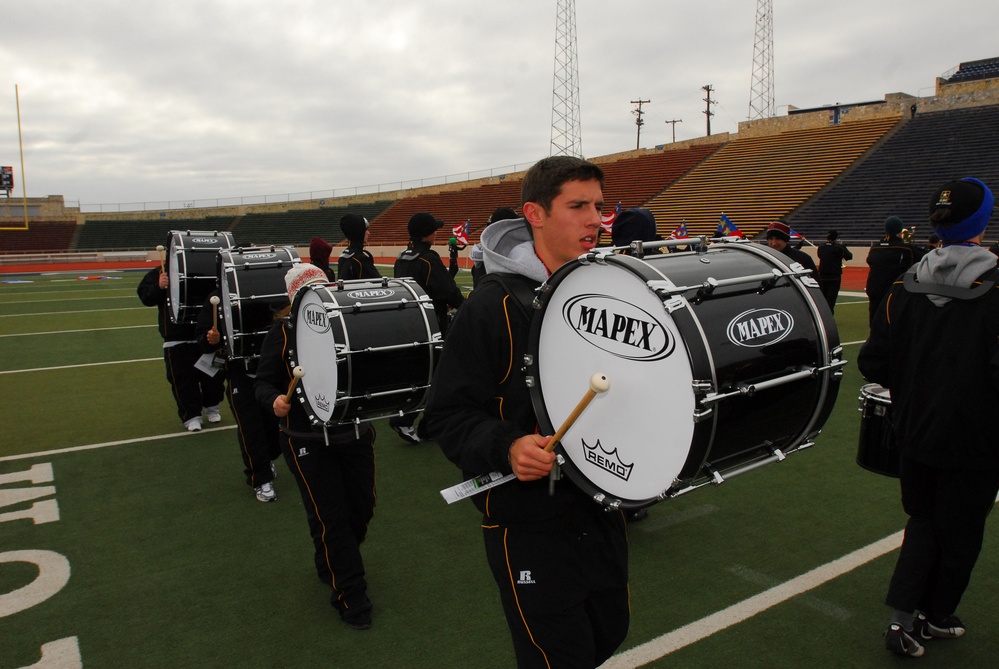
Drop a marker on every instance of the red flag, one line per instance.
(461, 231)
(680, 232)
(607, 220)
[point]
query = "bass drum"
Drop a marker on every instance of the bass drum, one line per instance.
(193, 270)
(368, 349)
(719, 361)
(252, 290)
(877, 450)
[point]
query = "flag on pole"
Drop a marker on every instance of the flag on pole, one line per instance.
(726, 228)
(680, 231)
(607, 220)
(461, 231)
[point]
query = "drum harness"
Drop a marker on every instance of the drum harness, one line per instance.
(979, 289)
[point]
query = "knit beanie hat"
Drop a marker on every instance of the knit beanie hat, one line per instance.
(301, 275)
(319, 252)
(422, 224)
(780, 230)
(960, 210)
(893, 225)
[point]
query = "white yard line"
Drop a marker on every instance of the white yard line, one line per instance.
(120, 327)
(86, 364)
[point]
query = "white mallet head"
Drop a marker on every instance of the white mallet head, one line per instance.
(214, 299)
(599, 383)
(299, 372)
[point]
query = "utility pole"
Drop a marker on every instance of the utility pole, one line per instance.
(708, 102)
(638, 121)
(673, 122)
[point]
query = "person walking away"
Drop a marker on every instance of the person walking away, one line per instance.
(933, 345)
(832, 258)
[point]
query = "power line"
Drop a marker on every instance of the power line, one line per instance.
(638, 120)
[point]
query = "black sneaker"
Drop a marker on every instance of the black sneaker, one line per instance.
(902, 641)
(358, 618)
(950, 627)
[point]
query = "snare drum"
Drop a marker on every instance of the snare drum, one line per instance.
(719, 361)
(193, 271)
(877, 450)
(368, 348)
(252, 289)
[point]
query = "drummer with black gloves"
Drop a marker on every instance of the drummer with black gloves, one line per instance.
(334, 467)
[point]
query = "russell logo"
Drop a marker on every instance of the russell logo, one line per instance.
(618, 327)
(371, 294)
(315, 317)
(607, 461)
(760, 327)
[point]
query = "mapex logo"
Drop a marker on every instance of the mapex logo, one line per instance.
(258, 256)
(619, 328)
(609, 462)
(371, 294)
(760, 327)
(204, 240)
(316, 318)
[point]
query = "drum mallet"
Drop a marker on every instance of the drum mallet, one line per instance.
(599, 383)
(214, 299)
(159, 247)
(297, 373)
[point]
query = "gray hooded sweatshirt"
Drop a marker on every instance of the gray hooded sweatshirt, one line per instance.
(508, 247)
(956, 265)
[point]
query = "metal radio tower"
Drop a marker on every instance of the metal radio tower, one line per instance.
(761, 97)
(566, 139)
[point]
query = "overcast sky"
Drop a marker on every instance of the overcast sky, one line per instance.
(126, 101)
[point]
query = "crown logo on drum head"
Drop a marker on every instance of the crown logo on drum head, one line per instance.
(759, 327)
(315, 318)
(607, 461)
(618, 327)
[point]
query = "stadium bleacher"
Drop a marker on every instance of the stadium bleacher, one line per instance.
(40, 237)
(897, 178)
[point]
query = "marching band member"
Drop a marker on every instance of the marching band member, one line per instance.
(333, 467)
(355, 262)
(560, 560)
(933, 344)
(193, 390)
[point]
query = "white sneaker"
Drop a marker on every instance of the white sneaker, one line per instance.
(265, 493)
(194, 424)
(213, 413)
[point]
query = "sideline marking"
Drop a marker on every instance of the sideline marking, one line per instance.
(742, 611)
(120, 327)
(123, 442)
(86, 364)
(77, 311)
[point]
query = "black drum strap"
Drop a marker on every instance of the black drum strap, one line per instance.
(519, 287)
(983, 285)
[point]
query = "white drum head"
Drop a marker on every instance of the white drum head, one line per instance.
(316, 350)
(603, 318)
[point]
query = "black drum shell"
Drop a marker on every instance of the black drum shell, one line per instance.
(742, 428)
(877, 450)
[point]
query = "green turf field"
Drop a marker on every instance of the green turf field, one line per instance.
(126, 542)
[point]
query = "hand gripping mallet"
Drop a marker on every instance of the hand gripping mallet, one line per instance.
(599, 383)
(159, 247)
(214, 299)
(297, 373)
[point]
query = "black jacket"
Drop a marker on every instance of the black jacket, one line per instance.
(151, 295)
(356, 263)
(832, 255)
(941, 365)
(422, 263)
